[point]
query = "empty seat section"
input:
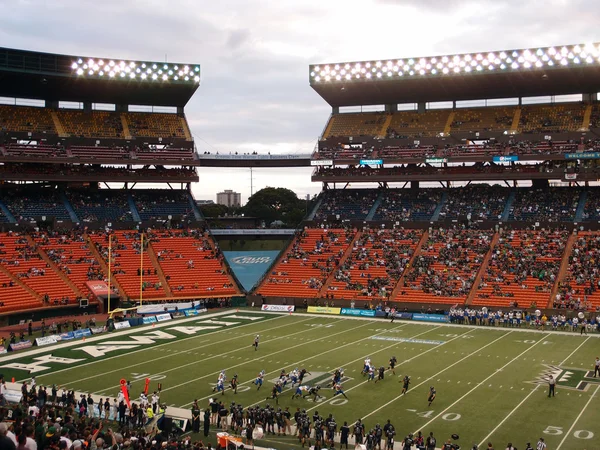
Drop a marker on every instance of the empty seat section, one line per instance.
(26, 119)
(356, 124)
(94, 124)
(408, 124)
(408, 205)
(581, 285)
(375, 265)
(522, 269)
(103, 205)
(483, 119)
(160, 204)
(190, 264)
(302, 271)
(127, 263)
(98, 152)
(154, 125)
(446, 267)
(348, 204)
(557, 118)
(25, 263)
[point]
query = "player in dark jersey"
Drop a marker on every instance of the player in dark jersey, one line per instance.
(256, 339)
(344, 432)
(392, 365)
(314, 391)
(432, 394)
(233, 384)
(430, 442)
(301, 375)
(358, 432)
(380, 374)
(274, 394)
(405, 384)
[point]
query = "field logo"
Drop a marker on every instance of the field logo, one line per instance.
(250, 266)
(568, 378)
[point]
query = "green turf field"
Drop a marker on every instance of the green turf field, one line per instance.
(485, 377)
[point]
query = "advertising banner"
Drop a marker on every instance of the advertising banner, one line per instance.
(404, 315)
(586, 155)
(84, 332)
(278, 308)
(66, 336)
(97, 287)
(20, 346)
(358, 312)
(508, 158)
(147, 320)
(97, 330)
(191, 312)
(46, 340)
(430, 317)
(163, 317)
(369, 162)
(322, 162)
(121, 325)
(323, 310)
(250, 266)
(13, 396)
(2, 350)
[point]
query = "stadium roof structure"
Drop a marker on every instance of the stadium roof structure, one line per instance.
(570, 69)
(54, 77)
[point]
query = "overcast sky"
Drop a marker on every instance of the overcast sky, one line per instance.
(254, 55)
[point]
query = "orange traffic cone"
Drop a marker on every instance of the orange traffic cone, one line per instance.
(12, 380)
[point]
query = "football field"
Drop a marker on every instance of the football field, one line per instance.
(491, 382)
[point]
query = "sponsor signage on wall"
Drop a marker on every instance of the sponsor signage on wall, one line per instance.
(278, 308)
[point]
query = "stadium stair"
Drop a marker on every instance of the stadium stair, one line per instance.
(7, 213)
(125, 126)
(69, 208)
(564, 268)
(482, 269)
(398, 288)
(59, 128)
(159, 271)
(51, 265)
(276, 261)
(449, 121)
(232, 279)
(311, 215)
(581, 207)
(509, 202)
(375, 206)
(325, 134)
(134, 212)
(587, 115)
(104, 265)
(194, 206)
(331, 277)
(515, 122)
(385, 126)
(438, 209)
(186, 128)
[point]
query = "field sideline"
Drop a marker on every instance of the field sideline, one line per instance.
(485, 377)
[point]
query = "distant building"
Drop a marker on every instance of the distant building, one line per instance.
(229, 198)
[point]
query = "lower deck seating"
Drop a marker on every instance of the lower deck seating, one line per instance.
(581, 286)
(376, 263)
(522, 269)
(191, 264)
(160, 204)
(104, 205)
(446, 267)
(32, 204)
(348, 204)
(302, 271)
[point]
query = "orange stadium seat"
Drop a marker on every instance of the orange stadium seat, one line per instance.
(96, 124)
(356, 124)
(27, 119)
(414, 124)
(155, 125)
(559, 117)
(483, 119)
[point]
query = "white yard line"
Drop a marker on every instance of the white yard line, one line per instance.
(204, 359)
(437, 373)
(485, 439)
(568, 433)
(399, 364)
(121, 355)
(480, 384)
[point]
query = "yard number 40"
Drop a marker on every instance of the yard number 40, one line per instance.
(579, 434)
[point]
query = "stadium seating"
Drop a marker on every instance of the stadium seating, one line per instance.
(39, 150)
(26, 119)
(481, 201)
(581, 285)
(523, 268)
(31, 204)
(559, 117)
(405, 204)
(190, 264)
(551, 205)
(155, 125)
(182, 154)
(95, 124)
(375, 264)
(355, 124)
(127, 262)
(81, 151)
(101, 206)
(446, 267)
(312, 257)
(24, 262)
(591, 212)
(13, 296)
(483, 119)
(159, 204)
(348, 204)
(413, 124)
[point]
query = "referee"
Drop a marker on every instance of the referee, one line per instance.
(541, 445)
(596, 367)
(551, 386)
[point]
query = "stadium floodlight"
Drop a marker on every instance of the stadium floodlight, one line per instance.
(536, 58)
(94, 67)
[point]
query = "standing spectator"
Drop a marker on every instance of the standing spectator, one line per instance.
(551, 386)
